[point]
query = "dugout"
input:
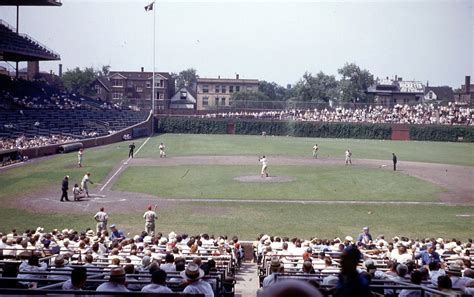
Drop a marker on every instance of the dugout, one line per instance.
(9, 156)
(71, 147)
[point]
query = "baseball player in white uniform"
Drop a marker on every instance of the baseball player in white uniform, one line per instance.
(150, 217)
(162, 148)
(85, 181)
(264, 172)
(348, 157)
(315, 151)
(101, 218)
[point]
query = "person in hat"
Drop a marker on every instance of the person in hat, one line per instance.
(162, 148)
(150, 217)
(348, 157)
(60, 267)
(192, 276)
(116, 282)
(455, 274)
(65, 188)
(275, 267)
(116, 233)
(131, 149)
(365, 237)
(158, 283)
(101, 218)
(80, 154)
(85, 180)
(315, 151)
(264, 171)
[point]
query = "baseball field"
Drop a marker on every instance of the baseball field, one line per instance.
(212, 184)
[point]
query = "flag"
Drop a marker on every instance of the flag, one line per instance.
(149, 6)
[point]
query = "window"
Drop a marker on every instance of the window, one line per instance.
(205, 88)
(159, 83)
(231, 89)
(223, 101)
(430, 95)
(223, 89)
(98, 89)
(237, 88)
(161, 95)
(183, 95)
(139, 89)
(230, 101)
(117, 96)
(130, 84)
(216, 101)
(217, 89)
(205, 101)
(117, 82)
(148, 84)
(249, 88)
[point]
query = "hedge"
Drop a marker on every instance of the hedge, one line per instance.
(282, 128)
(442, 133)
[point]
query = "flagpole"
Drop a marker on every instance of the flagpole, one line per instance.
(153, 80)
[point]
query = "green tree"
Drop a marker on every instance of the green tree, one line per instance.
(321, 87)
(80, 81)
(186, 78)
(354, 83)
(273, 90)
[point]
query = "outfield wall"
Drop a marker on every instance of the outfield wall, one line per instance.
(315, 129)
(91, 142)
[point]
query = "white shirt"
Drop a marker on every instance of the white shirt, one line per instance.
(114, 287)
(263, 161)
(199, 287)
(156, 288)
(168, 267)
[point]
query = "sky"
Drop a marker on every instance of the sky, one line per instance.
(266, 40)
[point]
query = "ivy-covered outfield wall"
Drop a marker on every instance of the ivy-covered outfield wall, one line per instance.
(309, 129)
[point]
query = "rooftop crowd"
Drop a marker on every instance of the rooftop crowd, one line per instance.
(451, 114)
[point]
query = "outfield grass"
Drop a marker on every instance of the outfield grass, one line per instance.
(312, 183)
(249, 219)
(47, 174)
(421, 151)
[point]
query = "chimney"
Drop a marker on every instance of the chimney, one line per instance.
(143, 69)
(52, 75)
(236, 76)
(218, 77)
(468, 84)
(60, 72)
(396, 77)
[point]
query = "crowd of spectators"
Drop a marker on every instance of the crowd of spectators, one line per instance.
(451, 114)
(23, 142)
(122, 257)
(438, 263)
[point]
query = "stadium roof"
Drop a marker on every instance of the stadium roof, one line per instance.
(30, 3)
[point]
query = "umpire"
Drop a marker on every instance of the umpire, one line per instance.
(132, 148)
(65, 188)
(394, 159)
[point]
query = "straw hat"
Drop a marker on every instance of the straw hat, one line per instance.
(192, 272)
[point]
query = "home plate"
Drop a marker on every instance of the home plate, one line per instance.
(269, 179)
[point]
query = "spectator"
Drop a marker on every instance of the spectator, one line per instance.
(116, 282)
(77, 280)
(158, 283)
(415, 279)
(193, 275)
(350, 282)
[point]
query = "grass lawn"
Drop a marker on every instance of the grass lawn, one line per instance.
(422, 151)
(48, 174)
(249, 219)
(312, 183)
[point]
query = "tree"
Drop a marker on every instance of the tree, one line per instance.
(273, 90)
(354, 83)
(105, 70)
(321, 87)
(186, 78)
(80, 81)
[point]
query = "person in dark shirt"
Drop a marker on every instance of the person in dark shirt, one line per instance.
(351, 283)
(394, 159)
(11, 270)
(132, 148)
(65, 188)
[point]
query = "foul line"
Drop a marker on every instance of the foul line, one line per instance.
(120, 168)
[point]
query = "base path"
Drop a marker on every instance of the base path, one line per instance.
(458, 180)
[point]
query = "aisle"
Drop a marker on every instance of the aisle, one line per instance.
(247, 280)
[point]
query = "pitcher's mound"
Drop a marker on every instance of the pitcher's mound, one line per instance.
(259, 179)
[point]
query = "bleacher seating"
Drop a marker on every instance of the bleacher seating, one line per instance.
(23, 43)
